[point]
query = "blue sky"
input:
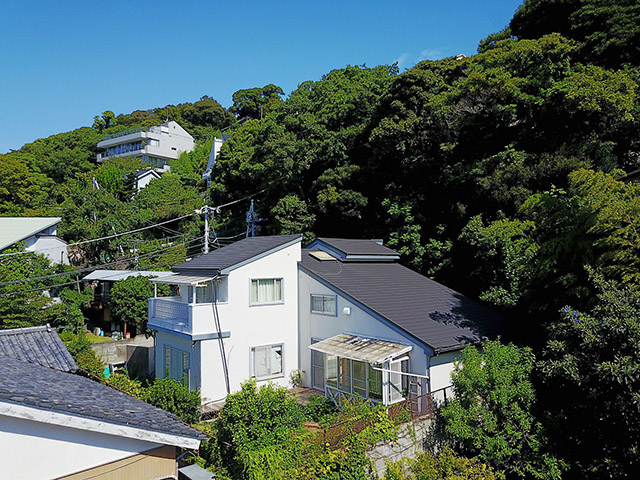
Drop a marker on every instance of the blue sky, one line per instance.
(63, 62)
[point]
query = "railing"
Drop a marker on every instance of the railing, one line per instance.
(410, 409)
(170, 314)
(122, 134)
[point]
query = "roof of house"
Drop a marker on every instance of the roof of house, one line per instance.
(237, 254)
(355, 247)
(50, 391)
(116, 275)
(39, 345)
(15, 229)
(439, 317)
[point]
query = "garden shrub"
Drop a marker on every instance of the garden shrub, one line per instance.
(174, 397)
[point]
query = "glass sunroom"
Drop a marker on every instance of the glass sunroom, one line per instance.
(347, 365)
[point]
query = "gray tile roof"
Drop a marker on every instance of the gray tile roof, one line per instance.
(40, 345)
(235, 254)
(35, 386)
(350, 246)
(430, 312)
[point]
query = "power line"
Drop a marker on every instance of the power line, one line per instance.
(47, 287)
(108, 237)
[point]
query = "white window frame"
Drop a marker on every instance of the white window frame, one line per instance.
(323, 312)
(258, 302)
(252, 361)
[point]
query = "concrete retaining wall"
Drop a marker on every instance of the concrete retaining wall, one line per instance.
(137, 352)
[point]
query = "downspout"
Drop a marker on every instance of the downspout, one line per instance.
(216, 318)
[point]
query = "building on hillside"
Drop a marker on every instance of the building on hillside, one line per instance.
(77, 428)
(344, 312)
(144, 177)
(215, 150)
(38, 234)
(156, 146)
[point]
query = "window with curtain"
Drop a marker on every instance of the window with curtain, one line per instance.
(268, 290)
(324, 304)
(266, 361)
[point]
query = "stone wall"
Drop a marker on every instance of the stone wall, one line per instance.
(413, 438)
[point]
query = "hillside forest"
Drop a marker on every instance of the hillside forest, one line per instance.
(502, 175)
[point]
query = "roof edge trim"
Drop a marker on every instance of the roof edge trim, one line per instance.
(86, 423)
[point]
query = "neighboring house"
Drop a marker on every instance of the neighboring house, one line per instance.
(38, 345)
(102, 291)
(215, 150)
(143, 177)
(55, 424)
(345, 312)
(39, 234)
(238, 302)
(372, 327)
(156, 146)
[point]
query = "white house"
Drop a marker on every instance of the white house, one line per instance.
(39, 234)
(344, 312)
(156, 145)
(236, 317)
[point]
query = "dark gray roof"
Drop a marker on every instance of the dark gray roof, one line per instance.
(40, 345)
(32, 385)
(430, 312)
(237, 253)
(350, 246)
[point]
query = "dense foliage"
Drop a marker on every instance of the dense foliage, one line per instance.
(491, 414)
(130, 300)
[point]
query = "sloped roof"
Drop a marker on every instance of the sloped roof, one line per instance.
(442, 318)
(39, 345)
(358, 247)
(15, 229)
(236, 254)
(32, 385)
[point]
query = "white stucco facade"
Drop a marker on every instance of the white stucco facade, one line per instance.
(32, 450)
(245, 327)
(156, 145)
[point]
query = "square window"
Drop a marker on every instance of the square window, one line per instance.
(265, 291)
(323, 304)
(266, 361)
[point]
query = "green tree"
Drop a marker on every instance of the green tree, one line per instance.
(492, 413)
(130, 301)
(591, 373)
(255, 102)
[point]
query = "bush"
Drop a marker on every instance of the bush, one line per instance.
(88, 360)
(174, 397)
(122, 382)
(318, 408)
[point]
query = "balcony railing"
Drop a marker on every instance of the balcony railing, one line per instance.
(169, 313)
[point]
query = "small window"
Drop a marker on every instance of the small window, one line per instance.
(266, 361)
(323, 304)
(176, 365)
(265, 291)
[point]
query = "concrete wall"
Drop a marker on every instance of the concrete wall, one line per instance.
(34, 450)
(137, 352)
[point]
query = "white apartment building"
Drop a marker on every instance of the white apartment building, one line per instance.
(156, 145)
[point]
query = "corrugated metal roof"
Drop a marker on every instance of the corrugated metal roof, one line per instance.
(40, 345)
(432, 313)
(183, 279)
(235, 254)
(116, 275)
(15, 229)
(362, 349)
(35, 386)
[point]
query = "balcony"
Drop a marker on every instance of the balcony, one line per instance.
(173, 315)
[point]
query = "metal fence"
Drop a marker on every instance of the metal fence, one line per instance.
(409, 409)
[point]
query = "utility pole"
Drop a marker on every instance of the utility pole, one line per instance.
(206, 229)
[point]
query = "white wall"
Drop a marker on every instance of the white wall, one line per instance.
(52, 247)
(33, 450)
(321, 327)
(441, 368)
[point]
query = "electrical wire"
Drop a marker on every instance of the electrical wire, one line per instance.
(108, 237)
